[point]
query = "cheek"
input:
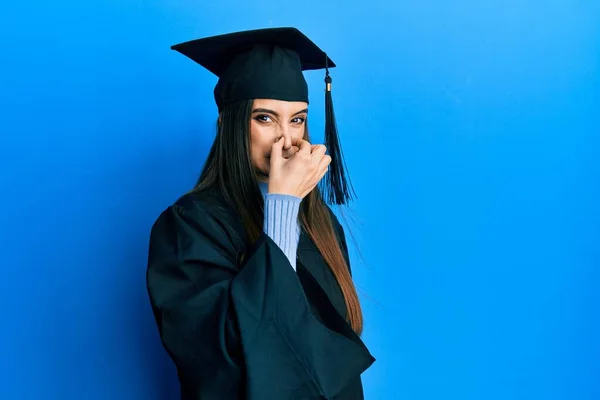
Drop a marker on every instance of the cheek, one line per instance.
(301, 133)
(298, 131)
(260, 143)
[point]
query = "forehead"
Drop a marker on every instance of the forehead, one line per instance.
(280, 106)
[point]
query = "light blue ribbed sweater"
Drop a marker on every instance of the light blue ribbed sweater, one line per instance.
(281, 221)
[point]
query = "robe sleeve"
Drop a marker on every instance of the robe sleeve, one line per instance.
(240, 329)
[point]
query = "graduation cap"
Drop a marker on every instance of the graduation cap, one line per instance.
(269, 64)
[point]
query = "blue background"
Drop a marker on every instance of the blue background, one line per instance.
(471, 130)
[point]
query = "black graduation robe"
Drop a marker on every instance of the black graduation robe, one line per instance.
(255, 329)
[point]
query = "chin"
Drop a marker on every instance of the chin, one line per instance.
(262, 172)
(261, 177)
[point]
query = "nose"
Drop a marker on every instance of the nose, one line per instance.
(285, 133)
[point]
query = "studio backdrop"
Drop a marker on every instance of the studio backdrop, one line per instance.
(471, 133)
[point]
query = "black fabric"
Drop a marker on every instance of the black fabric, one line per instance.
(257, 64)
(258, 330)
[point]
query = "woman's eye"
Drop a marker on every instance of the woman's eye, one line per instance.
(299, 120)
(263, 118)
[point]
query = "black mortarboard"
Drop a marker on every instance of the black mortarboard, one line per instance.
(268, 64)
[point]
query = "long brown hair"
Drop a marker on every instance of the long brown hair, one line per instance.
(229, 168)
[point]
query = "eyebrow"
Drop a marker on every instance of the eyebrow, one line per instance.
(275, 113)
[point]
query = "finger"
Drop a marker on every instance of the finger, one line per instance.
(305, 146)
(323, 164)
(319, 168)
(288, 143)
(323, 174)
(314, 147)
(317, 179)
(290, 152)
(319, 160)
(318, 149)
(296, 141)
(276, 149)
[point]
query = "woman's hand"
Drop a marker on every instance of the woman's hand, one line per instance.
(299, 173)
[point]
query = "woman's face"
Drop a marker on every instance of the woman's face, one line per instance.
(272, 119)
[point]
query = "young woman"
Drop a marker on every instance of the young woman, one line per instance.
(248, 274)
